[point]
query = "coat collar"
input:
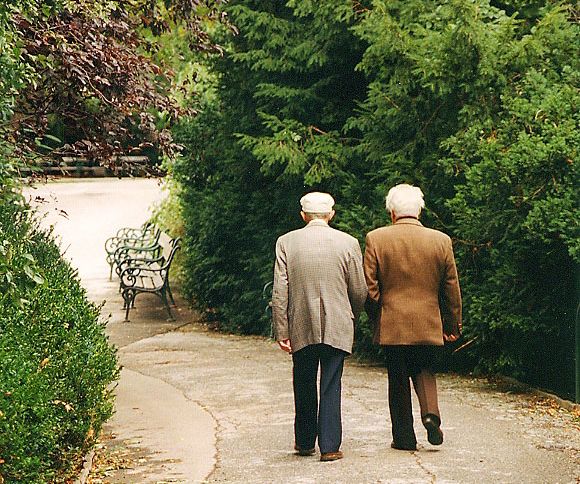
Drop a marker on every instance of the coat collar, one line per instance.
(317, 222)
(408, 221)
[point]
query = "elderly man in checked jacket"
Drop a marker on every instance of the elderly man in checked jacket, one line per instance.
(319, 291)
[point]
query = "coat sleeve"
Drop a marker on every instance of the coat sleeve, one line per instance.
(451, 295)
(280, 295)
(357, 287)
(372, 305)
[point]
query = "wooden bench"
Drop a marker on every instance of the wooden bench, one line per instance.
(129, 242)
(148, 272)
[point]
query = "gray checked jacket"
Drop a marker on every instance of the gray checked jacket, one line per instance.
(319, 287)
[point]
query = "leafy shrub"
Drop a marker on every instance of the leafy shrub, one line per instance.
(517, 203)
(167, 215)
(55, 361)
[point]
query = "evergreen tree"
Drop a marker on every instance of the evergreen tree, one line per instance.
(285, 88)
(475, 101)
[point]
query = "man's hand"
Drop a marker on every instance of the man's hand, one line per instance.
(286, 346)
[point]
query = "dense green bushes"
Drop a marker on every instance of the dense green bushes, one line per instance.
(76, 79)
(55, 360)
(522, 258)
(477, 102)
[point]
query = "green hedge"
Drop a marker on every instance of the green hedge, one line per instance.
(476, 102)
(55, 361)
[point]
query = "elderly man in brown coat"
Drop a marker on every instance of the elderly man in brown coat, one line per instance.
(415, 303)
(319, 291)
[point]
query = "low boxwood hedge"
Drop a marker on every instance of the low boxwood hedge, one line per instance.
(56, 365)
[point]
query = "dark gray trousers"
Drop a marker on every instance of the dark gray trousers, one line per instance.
(414, 363)
(313, 418)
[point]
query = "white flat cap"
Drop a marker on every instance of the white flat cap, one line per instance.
(317, 202)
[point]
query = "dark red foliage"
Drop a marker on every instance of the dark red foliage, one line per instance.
(96, 83)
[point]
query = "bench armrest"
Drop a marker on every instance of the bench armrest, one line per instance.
(130, 274)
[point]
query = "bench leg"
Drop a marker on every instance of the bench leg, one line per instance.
(165, 302)
(170, 294)
(118, 270)
(129, 302)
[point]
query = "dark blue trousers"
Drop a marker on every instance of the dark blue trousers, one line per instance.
(314, 419)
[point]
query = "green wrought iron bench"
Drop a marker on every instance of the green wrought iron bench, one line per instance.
(130, 241)
(149, 273)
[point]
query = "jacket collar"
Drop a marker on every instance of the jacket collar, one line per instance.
(408, 221)
(317, 222)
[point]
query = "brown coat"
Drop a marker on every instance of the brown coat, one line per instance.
(413, 286)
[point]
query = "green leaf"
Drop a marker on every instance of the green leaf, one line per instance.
(53, 138)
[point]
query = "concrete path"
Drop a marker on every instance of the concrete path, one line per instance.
(197, 406)
(161, 434)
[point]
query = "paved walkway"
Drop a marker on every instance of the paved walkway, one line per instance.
(197, 406)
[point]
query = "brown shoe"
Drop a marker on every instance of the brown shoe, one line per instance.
(330, 456)
(304, 452)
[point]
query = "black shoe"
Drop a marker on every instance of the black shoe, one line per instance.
(434, 433)
(397, 446)
(304, 452)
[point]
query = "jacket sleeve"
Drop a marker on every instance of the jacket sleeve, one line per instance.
(372, 305)
(357, 287)
(451, 295)
(280, 295)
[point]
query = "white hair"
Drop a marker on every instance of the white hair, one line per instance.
(405, 200)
